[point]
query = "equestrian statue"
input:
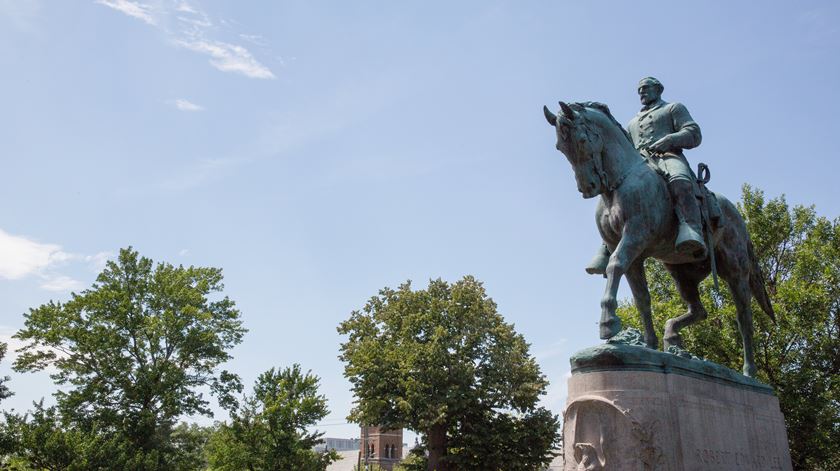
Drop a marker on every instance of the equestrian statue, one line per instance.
(653, 205)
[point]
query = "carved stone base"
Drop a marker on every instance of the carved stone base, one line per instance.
(631, 408)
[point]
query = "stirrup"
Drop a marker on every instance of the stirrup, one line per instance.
(689, 242)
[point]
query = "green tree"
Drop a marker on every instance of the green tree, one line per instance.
(4, 388)
(504, 441)
(799, 254)
(443, 362)
(131, 351)
(268, 432)
(41, 439)
(189, 442)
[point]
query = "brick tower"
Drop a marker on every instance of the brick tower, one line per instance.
(382, 447)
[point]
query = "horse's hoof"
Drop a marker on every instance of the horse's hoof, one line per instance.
(610, 329)
(652, 343)
(750, 370)
(672, 340)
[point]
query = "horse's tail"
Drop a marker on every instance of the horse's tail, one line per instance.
(757, 284)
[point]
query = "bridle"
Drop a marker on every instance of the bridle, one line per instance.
(598, 160)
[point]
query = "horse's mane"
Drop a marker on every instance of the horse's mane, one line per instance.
(606, 110)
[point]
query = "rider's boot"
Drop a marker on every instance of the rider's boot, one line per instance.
(690, 235)
(598, 264)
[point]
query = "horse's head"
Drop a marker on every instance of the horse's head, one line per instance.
(582, 145)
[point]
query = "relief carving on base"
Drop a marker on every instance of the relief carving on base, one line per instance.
(600, 435)
(588, 458)
(649, 454)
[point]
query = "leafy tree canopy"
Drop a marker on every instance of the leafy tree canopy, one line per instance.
(132, 351)
(443, 362)
(4, 388)
(269, 431)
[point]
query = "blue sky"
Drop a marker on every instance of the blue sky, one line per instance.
(319, 151)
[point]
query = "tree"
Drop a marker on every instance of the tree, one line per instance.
(269, 431)
(131, 352)
(504, 441)
(443, 362)
(799, 255)
(190, 442)
(4, 388)
(41, 439)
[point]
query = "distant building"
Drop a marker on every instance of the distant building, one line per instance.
(338, 444)
(349, 459)
(381, 447)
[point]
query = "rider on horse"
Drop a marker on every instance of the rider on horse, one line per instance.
(660, 132)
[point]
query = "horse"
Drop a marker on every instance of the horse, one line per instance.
(636, 220)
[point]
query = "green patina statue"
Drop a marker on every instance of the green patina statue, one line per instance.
(648, 207)
(660, 132)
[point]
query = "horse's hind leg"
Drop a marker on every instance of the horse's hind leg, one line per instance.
(741, 294)
(641, 296)
(687, 277)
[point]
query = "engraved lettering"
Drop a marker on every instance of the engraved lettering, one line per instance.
(740, 459)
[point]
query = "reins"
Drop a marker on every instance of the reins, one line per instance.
(621, 178)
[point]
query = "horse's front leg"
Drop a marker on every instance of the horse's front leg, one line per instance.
(627, 250)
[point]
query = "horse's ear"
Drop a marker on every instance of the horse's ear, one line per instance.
(567, 111)
(550, 117)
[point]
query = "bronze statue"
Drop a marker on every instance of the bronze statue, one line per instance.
(636, 218)
(660, 132)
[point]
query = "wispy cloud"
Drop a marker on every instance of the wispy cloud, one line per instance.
(21, 257)
(189, 27)
(96, 262)
(286, 132)
(185, 8)
(185, 105)
(62, 283)
(134, 9)
(254, 39)
(230, 58)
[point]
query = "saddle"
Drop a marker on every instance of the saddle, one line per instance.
(706, 199)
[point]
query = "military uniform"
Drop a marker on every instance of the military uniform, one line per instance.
(672, 122)
(666, 119)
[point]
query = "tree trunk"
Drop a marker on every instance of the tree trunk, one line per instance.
(437, 448)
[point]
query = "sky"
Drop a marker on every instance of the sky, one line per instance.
(319, 151)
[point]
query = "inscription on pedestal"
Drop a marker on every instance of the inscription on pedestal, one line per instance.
(739, 459)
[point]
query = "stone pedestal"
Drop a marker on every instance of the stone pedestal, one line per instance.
(632, 408)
